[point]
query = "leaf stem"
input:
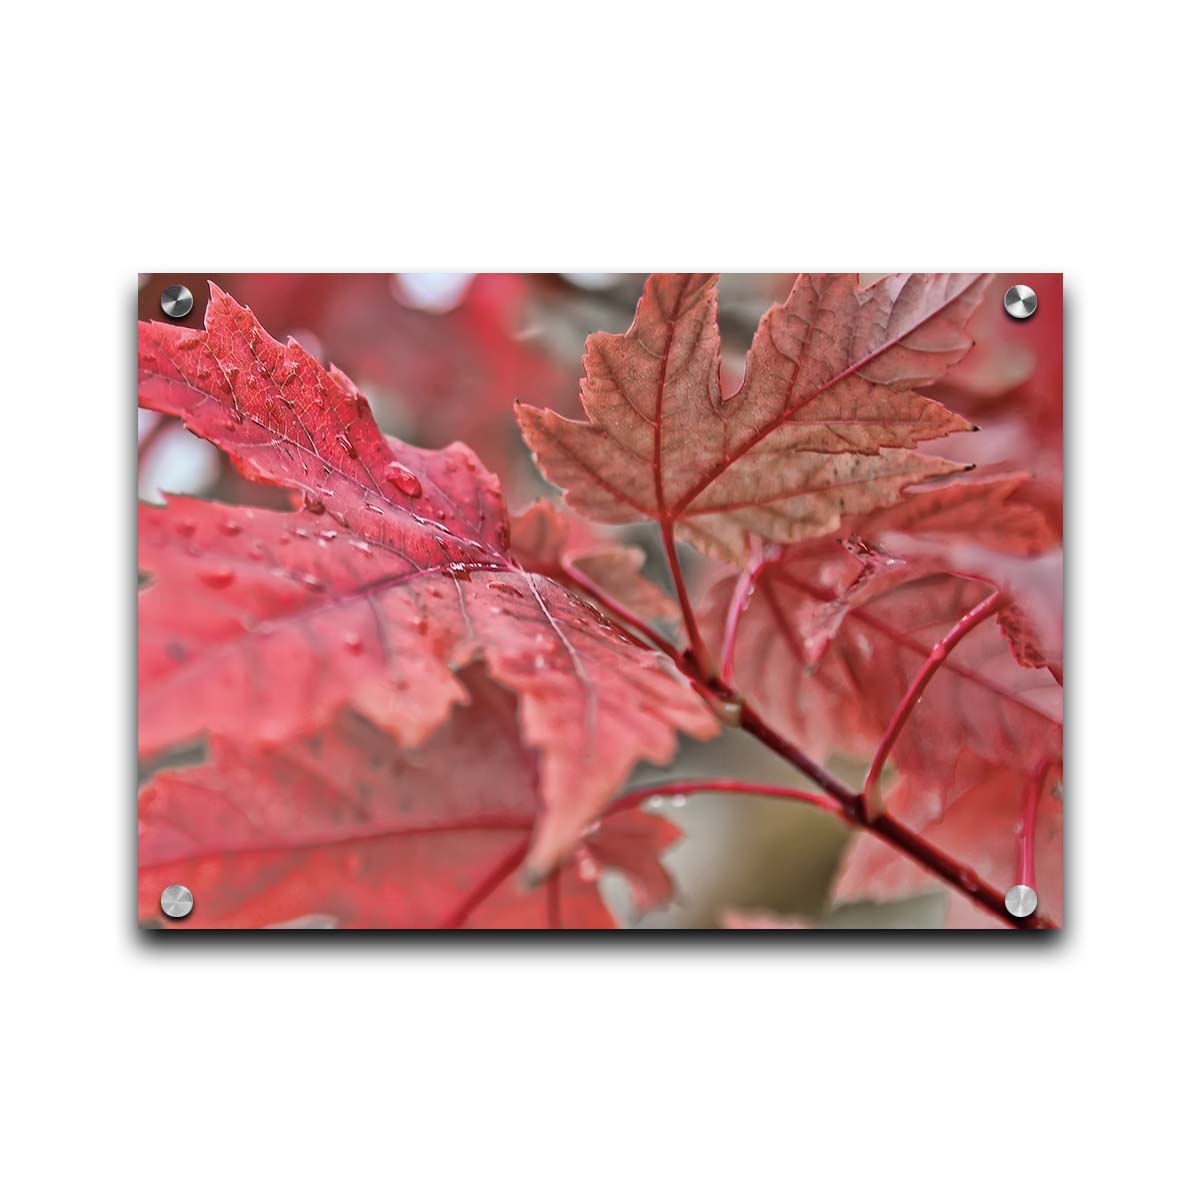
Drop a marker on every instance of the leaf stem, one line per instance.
(688, 787)
(695, 641)
(738, 604)
(937, 656)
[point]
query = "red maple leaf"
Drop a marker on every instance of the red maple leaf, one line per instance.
(823, 424)
(831, 636)
(829, 665)
(347, 826)
(433, 377)
(259, 626)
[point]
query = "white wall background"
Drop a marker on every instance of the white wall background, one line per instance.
(614, 136)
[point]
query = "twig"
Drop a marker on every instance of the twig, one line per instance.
(841, 800)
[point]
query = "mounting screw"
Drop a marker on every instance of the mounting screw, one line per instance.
(176, 901)
(1020, 900)
(176, 301)
(1019, 300)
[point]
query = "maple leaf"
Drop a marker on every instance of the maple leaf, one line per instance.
(979, 825)
(347, 824)
(844, 697)
(983, 529)
(833, 633)
(434, 376)
(260, 625)
(553, 543)
(823, 424)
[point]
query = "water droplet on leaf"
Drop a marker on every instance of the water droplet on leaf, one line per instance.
(398, 474)
(216, 577)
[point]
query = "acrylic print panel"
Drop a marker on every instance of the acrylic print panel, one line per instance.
(600, 601)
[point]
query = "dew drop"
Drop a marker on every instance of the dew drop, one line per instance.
(216, 577)
(354, 644)
(505, 589)
(314, 505)
(679, 802)
(588, 871)
(403, 478)
(312, 583)
(362, 548)
(347, 445)
(327, 534)
(186, 528)
(231, 527)
(458, 570)
(419, 624)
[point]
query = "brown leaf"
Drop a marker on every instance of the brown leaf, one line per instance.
(822, 426)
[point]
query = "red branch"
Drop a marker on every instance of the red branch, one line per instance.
(937, 656)
(849, 805)
(840, 800)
